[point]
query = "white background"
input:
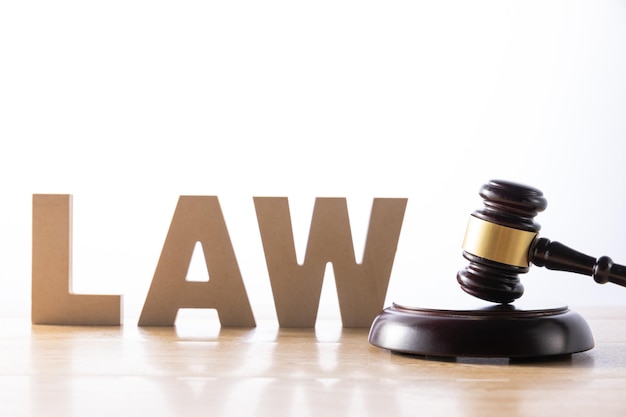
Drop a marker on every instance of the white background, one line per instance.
(129, 104)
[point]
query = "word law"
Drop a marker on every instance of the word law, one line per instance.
(361, 287)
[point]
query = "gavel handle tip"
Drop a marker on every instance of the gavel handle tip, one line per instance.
(558, 257)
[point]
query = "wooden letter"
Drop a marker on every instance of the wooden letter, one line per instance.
(52, 299)
(361, 288)
(197, 219)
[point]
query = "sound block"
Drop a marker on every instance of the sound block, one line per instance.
(498, 331)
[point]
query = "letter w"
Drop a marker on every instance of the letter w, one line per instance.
(361, 288)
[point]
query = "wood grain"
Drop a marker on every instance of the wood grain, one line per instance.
(198, 369)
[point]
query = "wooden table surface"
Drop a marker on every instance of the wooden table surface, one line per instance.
(198, 369)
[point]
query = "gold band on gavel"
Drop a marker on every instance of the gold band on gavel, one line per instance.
(498, 243)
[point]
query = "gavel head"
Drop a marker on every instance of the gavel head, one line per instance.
(498, 241)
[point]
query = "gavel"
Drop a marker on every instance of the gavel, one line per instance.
(501, 242)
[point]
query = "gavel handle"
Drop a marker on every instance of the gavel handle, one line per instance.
(558, 257)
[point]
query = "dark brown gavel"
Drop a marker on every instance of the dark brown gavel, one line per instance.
(502, 241)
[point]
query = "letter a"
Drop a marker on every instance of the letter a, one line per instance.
(361, 288)
(197, 219)
(52, 299)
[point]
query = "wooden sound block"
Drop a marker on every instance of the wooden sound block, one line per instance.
(498, 331)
